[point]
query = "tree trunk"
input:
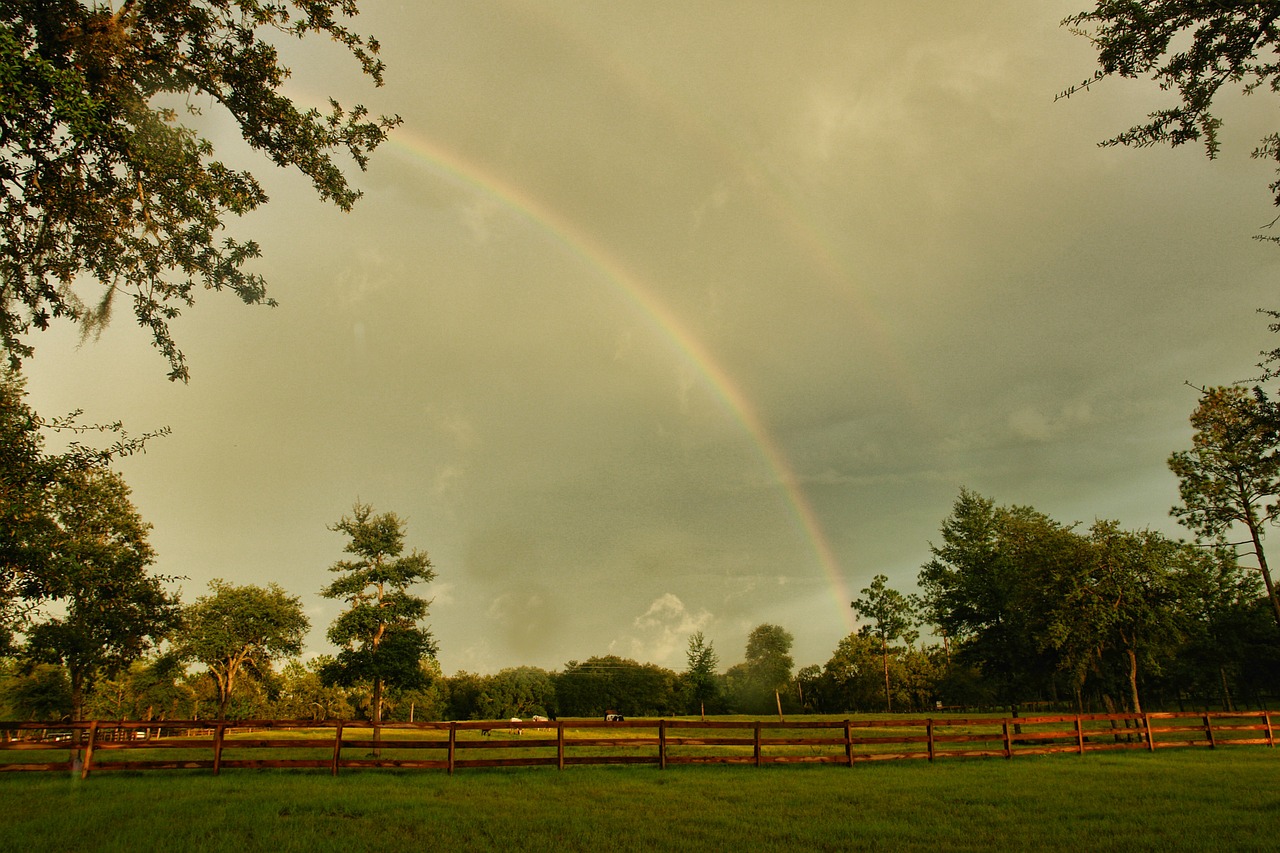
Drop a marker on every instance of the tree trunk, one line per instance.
(1256, 534)
(77, 697)
(1226, 691)
(377, 718)
(884, 654)
(1133, 680)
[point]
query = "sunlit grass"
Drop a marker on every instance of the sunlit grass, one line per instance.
(1170, 800)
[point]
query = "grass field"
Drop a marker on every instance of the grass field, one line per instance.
(1190, 799)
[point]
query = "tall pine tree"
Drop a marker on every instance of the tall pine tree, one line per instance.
(379, 634)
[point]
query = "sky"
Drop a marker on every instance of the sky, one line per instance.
(661, 317)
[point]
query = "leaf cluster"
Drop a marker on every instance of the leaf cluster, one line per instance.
(99, 179)
(1193, 48)
(35, 488)
(1231, 475)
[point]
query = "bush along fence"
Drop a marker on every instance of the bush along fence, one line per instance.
(95, 745)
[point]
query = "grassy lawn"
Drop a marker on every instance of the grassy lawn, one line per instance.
(1188, 799)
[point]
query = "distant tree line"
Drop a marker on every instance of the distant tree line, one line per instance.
(1021, 608)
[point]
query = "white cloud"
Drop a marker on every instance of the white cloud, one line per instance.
(662, 632)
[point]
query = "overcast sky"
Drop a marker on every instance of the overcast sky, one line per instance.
(660, 317)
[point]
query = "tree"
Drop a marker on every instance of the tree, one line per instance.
(238, 629)
(304, 696)
(892, 616)
(114, 609)
(1192, 48)
(767, 667)
(1123, 607)
(700, 677)
(851, 677)
(522, 691)
(100, 179)
(151, 687)
(29, 477)
(989, 587)
(1231, 475)
(38, 694)
(429, 702)
(609, 683)
(379, 636)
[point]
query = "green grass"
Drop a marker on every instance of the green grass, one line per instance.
(1190, 799)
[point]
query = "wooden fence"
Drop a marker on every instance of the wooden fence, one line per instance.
(334, 745)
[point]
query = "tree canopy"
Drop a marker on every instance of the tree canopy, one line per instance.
(892, 618)
(235, 628)
(379, 635)
(105, 192)
(1231, 476)
(115, 610)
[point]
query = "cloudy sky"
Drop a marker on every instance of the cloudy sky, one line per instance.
(660, 317)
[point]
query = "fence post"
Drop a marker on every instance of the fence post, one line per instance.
(1079, 735)
(88, 750)
(337, 749)
(1266, 721)
(1146, 724)
(560, 744)
(756, 726)
(1208, 730)
(848, 742)
(219, 728)
(662, 744)
(1008, 744)
(453, 745)
(928, 730)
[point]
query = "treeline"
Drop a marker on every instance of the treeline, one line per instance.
(162, 687)
(1020, 608)
(1030, 609)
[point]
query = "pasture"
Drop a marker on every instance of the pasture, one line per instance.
(1190, 799)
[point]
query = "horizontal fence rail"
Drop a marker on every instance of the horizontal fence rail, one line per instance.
(99, 745)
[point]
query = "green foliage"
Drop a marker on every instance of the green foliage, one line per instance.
(101, 181)
(988, 587)
(750, 686)
(892, 617)
(150, 688)
(853, 679)
(239, 628)
(41, 692)
(464, 689)
(1039, 611)
(30, 480)
(1231, 476)
(610, 683)
(700, 681)
(114, 609)
(516, 692)
(429, 701)
(378, 634)
(769, 659)
(1193, 49)
(304, 696)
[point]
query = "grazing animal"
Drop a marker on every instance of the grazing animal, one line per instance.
(538, 718)
(516, 725)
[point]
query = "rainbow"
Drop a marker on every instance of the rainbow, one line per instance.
(582, 244)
